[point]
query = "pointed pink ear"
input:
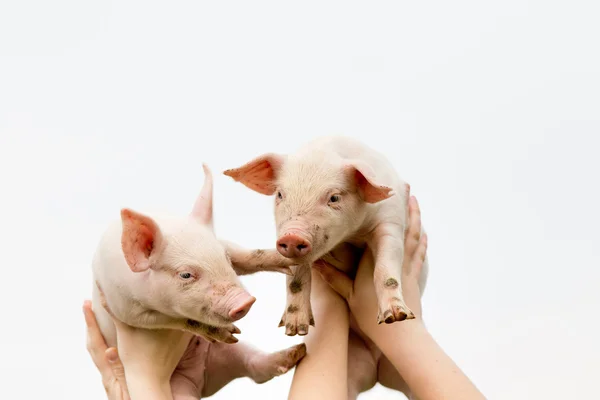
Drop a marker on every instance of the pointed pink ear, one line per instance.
(259, 174)
(371, 190)
(140, 239)
(203, 207)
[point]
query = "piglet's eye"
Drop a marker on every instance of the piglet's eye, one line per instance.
(185, 275)
(334, 199)
(279, 196)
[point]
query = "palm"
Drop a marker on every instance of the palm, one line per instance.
(116, 392)
(364, 299)
(187, 380)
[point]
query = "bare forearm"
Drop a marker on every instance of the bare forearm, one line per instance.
(323, 372)
(427, 369)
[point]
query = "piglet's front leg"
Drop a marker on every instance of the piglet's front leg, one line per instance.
(246, 262)
(298, 312)
(387, 245)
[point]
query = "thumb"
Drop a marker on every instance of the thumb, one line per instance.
(117, 368)
(339, 281)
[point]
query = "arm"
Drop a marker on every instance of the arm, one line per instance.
(144, 387)
(426, 368)
(246, 262)
(323, 372)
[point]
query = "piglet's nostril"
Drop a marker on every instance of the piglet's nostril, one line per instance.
(283, 245)
(301, 246)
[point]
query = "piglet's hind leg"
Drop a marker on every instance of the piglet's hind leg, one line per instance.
(227, 362)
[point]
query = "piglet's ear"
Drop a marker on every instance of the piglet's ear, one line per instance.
(259, 174)
(203, 207)
(367, 182)
(140, 239)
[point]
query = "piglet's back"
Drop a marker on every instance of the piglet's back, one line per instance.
(109, 260)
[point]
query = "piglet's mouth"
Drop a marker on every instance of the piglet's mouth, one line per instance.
(212, 329)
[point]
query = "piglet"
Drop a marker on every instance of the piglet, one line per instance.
(166, 272)
(334, 190)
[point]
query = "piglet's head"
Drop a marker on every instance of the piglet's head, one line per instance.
(318, 200)
(187, 271)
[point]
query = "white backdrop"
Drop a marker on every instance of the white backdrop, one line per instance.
(489, 109)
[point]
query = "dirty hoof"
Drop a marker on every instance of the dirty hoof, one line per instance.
(296, 321)
(217, 334)
(396, 310)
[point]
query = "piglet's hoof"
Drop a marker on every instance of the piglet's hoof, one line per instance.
(219, 334)
(267, 366)
(296, 321)
(395, 310)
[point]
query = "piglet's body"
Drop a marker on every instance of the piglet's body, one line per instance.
(331, 191)
(165, 272)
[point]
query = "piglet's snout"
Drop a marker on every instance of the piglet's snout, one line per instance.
(240, 305)
(291, 245)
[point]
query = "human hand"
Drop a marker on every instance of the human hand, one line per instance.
(148, 355)
(186, 380)
(360, 293)
(415, 249)
(106, 359)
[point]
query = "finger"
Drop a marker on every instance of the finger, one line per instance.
(339, 281)
(95, 341)
(414, 212)
(422, 249)
(411, 241)
(95, 338)
(111, 355)
(419, 257)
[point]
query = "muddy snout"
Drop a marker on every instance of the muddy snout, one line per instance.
(293, 245)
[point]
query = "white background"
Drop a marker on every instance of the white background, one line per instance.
(490, 110)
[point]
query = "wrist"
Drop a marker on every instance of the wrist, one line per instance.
(143, 385)
(147, 376)
(396, 334)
